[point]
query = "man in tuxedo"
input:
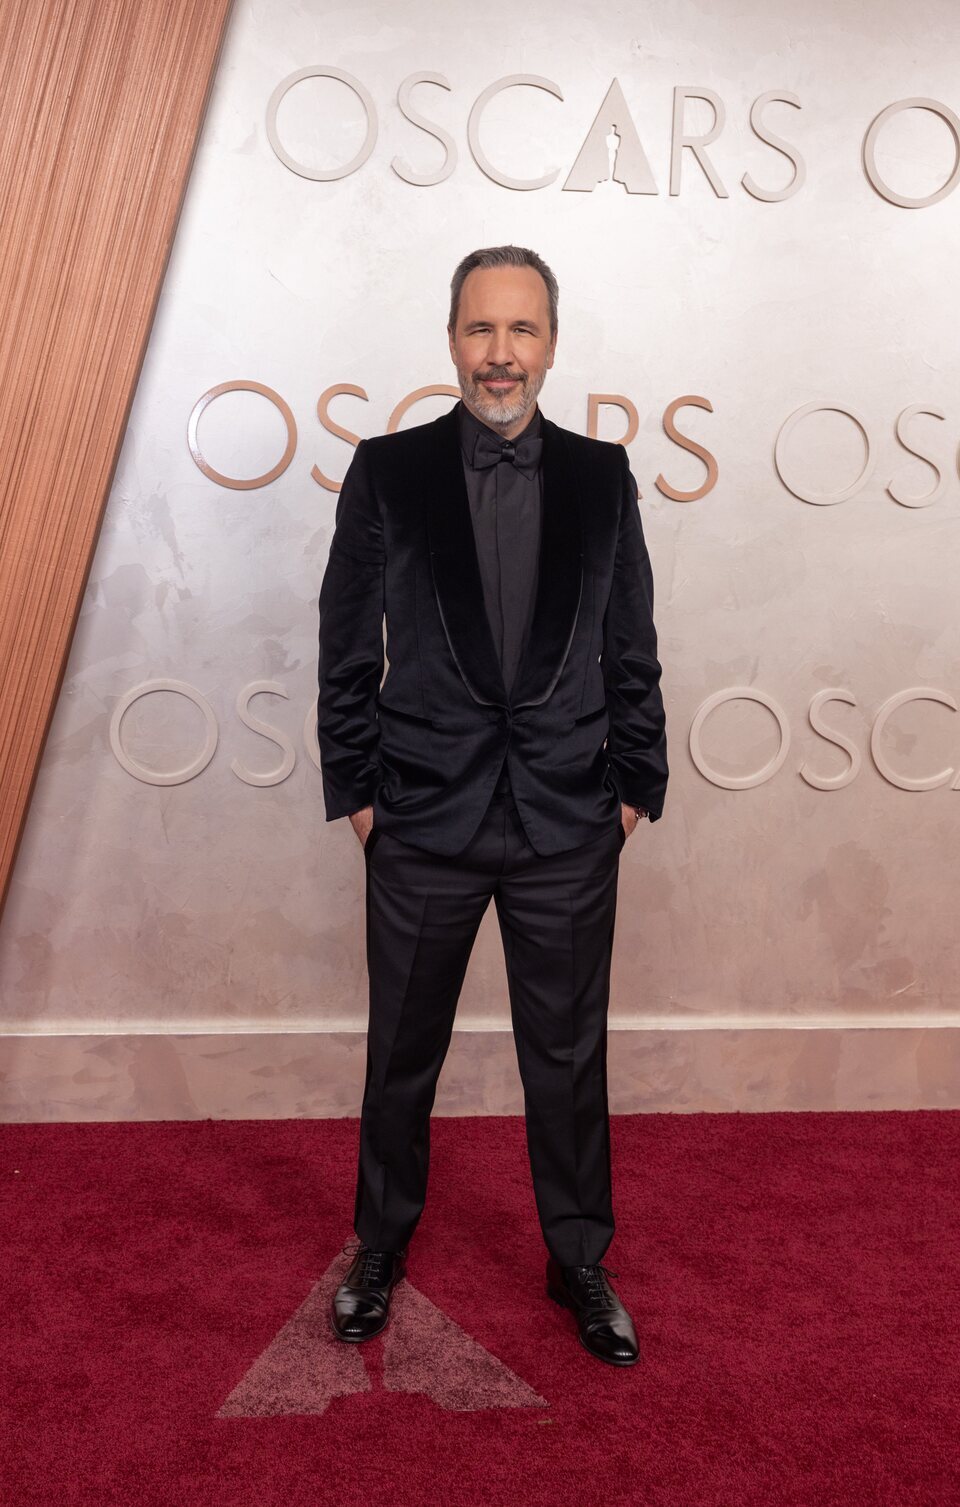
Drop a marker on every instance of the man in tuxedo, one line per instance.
(516, 742)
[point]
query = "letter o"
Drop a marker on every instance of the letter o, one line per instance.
(232, 481)
(870, 157)
(742, 781)
(787, 428)
(322, 175)
(151, 776)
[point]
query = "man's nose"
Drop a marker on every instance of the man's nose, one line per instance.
(500, 349)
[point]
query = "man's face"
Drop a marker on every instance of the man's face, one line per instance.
(501, 346)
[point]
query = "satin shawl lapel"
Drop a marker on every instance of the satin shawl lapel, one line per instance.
(560, 573)
(456, 567)
(456, 570)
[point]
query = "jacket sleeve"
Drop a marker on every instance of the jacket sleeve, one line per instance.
(636, 742)
(351, 655)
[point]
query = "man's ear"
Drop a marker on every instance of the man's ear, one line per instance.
(552, 347)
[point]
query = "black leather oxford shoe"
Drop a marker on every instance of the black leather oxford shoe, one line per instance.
(361, 1304)
(606, 1329)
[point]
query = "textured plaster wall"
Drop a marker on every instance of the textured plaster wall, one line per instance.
(222, 902)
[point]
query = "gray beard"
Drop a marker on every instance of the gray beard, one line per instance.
(500, 412)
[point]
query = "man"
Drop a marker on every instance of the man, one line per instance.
(517, 740)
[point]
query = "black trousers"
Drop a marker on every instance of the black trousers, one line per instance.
(556, 918)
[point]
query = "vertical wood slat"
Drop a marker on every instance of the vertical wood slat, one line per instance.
(103, 103)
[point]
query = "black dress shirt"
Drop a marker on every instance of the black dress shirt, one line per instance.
(505, 507)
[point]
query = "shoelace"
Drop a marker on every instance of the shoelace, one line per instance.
(371, 1271)
(598, 1288)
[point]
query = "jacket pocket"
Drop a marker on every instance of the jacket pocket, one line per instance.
(591, 716)
(404, 714)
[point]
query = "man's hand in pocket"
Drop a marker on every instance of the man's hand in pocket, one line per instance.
(362, 823)
(628, 815)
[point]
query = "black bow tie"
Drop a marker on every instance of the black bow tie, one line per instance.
(524, 453)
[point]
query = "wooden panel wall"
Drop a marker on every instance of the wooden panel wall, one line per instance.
(102, 106)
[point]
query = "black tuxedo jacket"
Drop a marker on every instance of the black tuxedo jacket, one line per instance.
(584, 726)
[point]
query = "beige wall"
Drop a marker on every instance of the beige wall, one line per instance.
(184, 933)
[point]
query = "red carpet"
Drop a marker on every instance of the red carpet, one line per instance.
(792, 1277)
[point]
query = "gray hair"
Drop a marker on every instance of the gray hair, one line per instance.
(503, 256)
